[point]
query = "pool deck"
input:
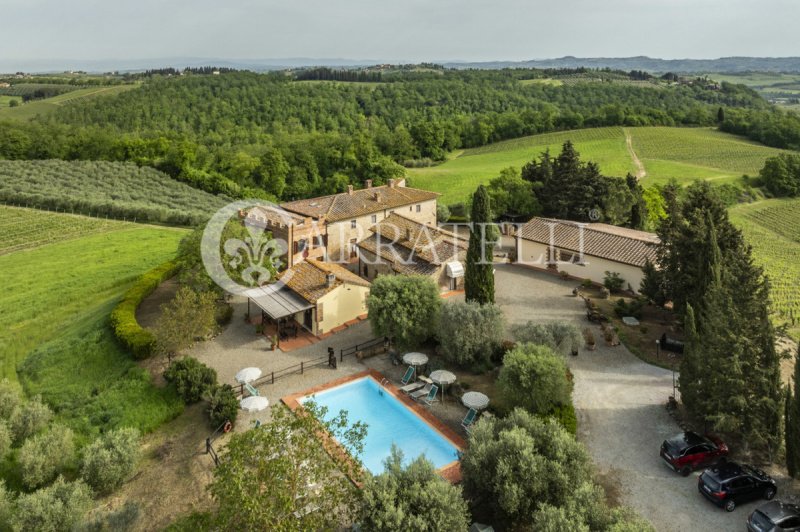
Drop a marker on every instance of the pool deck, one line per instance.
(451, 472)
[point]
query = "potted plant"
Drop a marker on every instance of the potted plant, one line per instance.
(273, 341)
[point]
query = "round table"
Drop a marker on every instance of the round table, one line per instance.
(476, 400)
(443, 378)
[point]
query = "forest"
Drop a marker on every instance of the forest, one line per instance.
(274, 135)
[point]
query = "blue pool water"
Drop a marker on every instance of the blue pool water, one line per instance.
(388, 421)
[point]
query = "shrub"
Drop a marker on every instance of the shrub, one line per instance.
(57, 507)
(110, 459)
(6, 507)
(469, 333)
(586, 283)
(412, 498)
(563, 338)
(224, 314)
(442, 213)
(190, 315)
(634, 308)
(565, 415)
(30, 418)
(613, 281)
(222, 405)
(404, 308)
(191, 378)
(123, 518)
(535, 378)
(133, 336)
(5, 439)
(45, 455)
(10, 399)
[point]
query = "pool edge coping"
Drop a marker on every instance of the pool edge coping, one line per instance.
(450, 472)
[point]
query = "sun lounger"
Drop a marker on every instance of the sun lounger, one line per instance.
(252, 391)
(422, 392)
(408, 376)
(414, 386)
(469, 419)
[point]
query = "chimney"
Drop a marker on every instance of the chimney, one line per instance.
(376, 197)
(408, 234)
(330, 278)
(350, 189)
(369, 183)
(391, 183)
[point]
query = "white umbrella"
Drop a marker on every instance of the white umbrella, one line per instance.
(415, 359)
(254, 403)
(443, 377)
(475, 400)
(247, 375)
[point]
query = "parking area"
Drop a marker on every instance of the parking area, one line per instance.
(621, 414)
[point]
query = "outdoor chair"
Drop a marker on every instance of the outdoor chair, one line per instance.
(408, 376)
(414, 386)
(422, 392)
(469, 419)
(431, 395)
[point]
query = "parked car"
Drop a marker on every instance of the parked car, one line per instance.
(775, 516)
(689, 451)
(730, 484)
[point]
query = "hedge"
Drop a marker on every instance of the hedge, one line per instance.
(133, 336)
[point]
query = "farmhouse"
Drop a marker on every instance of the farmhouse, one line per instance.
(586, 251)
(401, 245)
(313, 296)
(342, 220)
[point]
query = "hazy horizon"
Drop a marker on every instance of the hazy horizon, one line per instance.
(50, 31)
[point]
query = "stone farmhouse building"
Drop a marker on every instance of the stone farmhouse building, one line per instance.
(586, 250)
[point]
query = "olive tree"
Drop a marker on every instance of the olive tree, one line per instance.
(5, 439)
(29, 418)
(60, 506)
(534, 378)
(189, 316)
(110, 459)
(412, 498)
(45, 455)
(469, 333)
(191, 378)
(404, 308)
(10, 399)
(281, 474)
(561, 337)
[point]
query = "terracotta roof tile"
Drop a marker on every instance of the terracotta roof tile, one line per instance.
(618, 244)
(412, 247)
(308, 278)
(361, 202)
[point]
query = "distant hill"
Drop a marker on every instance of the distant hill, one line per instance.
(723, 64)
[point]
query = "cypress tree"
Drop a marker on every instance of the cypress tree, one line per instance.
(479, 275)
(721, 115)
(792, 416)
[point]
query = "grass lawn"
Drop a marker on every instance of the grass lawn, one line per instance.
(685, 154)
(772, 227)
(47, 105)
(5, 101)
(54, 317)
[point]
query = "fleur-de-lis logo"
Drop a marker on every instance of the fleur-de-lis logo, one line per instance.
(239, 253)
(261, 253)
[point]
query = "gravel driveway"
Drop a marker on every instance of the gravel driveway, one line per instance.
(621, 415)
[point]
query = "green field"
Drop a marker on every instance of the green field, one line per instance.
(54, 316)
(5, 101)
(48, 105)
(665, 153)
(772, 227)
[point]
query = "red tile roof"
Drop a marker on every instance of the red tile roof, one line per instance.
(308, 278)
(618, 244)
(361, 202)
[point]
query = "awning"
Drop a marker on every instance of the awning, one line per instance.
(277, 300)
(455, 269)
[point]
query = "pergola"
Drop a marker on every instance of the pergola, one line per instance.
(277, 302)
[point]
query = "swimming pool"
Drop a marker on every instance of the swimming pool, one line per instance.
(388, 421)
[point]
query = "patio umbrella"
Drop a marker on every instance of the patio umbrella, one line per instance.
(254, 403)
(248, 375)
(475, 400)
(415, 359)
(443, 377)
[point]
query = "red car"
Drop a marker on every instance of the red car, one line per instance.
(689, 451)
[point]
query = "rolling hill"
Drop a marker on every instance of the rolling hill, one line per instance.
(48, 105)
(662, 153)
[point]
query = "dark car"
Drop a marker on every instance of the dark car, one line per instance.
(730, 484)
(689, 451)
(775, 516)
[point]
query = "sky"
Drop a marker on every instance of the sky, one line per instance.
(39, 31)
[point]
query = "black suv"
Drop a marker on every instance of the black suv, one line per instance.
(731, 484)
(775, 516)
